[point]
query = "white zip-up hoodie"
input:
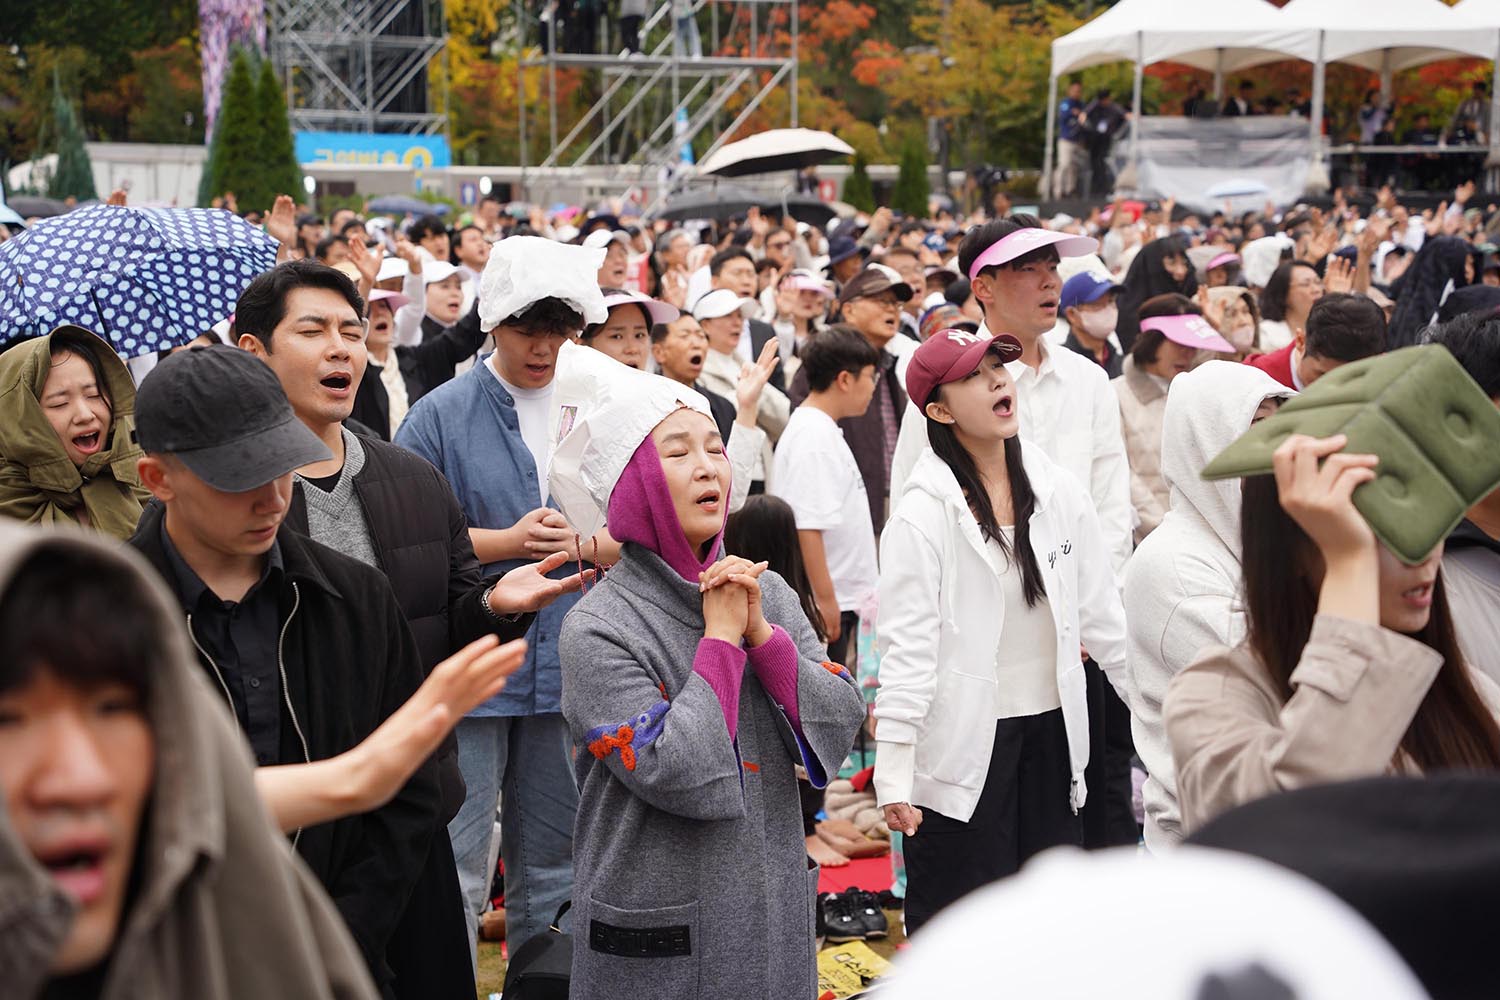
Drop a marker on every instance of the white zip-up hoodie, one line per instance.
(1182, 586)
(940, 620)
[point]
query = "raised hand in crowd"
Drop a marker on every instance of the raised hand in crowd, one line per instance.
(409, 252)
(367, 262)
(369, 775)
(1318, 245)
(116, 197)
(752, 383)
(1213, 307)
(1339, 278)
(674, 286)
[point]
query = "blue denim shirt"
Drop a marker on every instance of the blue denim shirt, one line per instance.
(468, 428)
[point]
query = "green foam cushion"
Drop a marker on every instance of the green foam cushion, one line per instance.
(1436, 433)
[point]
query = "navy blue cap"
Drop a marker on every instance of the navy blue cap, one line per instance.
(1083, 288)
(841, 248)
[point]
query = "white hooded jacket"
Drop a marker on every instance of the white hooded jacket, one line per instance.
(1182, 586)
(941, 616)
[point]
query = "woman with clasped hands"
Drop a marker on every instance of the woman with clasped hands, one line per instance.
(1350, 667)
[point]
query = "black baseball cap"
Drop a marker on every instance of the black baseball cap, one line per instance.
(222, 412)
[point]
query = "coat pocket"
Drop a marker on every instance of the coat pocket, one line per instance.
(618, 950)
(947, 752)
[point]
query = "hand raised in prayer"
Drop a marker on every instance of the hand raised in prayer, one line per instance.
(726, 611)
(408, 251)
(741, 573)
(753, 379)
(281, 221)
(1339, 278)
(367, 262)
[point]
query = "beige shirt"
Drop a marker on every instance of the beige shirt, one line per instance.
(1355, 692)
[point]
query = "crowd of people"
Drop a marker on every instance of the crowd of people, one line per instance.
(599, 544)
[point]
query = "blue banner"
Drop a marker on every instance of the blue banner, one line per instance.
(420, 152)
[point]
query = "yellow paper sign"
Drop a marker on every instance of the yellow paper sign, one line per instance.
(845, 969)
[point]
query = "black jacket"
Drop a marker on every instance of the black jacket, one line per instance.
(424, 367)
(421, 541)
(762, 333)
(349, 662)
(723, 410)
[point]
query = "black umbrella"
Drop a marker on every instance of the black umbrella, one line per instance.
(36, 208)
(718, 203)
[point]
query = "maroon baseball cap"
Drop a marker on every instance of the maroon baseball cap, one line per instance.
(948, 356)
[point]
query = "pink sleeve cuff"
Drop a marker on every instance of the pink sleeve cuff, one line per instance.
(775, 664)
(722, 665)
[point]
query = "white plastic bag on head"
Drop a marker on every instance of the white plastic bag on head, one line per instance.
(601, 412)
(523, 270)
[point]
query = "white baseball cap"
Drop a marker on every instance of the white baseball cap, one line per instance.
(722, 302)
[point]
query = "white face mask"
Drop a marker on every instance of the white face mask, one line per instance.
(1242, 337)
(1099, 323)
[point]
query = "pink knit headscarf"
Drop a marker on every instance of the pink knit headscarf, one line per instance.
(641, 510)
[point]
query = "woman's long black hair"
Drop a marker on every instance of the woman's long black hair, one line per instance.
(765, 530)
(1419, 291)
(1148, 278)
(1022, 501)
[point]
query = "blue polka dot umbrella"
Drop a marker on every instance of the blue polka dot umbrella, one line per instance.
(144, 279)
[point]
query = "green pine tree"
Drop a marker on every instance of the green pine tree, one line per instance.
(912, 189)
(283, 175)
(74, 174)
(236, 158)
(858, 191)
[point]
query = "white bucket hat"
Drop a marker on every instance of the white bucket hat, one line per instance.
(602, 411)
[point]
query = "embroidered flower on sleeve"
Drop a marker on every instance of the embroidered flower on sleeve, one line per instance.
(628, 737)
(836, 669)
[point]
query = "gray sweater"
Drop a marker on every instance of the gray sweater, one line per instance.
(690, 873)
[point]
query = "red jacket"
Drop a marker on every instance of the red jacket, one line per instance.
(1277, 364)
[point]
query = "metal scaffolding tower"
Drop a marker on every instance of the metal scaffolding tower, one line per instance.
(654, 102)
(357, 65)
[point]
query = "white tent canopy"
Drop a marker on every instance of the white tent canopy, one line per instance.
(1388, 35)
(1225, 35)
(1221, 36)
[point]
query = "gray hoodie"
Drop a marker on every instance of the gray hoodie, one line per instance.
(688, 849)
(1182, 585)
(221, 907)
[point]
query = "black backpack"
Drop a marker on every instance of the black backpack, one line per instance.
(542, 967)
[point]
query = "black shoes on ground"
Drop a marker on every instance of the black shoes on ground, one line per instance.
(851, 915)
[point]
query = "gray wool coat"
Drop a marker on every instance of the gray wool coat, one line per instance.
(691, 838)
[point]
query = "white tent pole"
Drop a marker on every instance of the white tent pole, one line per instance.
(1049, 186)
(1135, 104)
(1219, 77)
(1387, 87)
(1316, 128)
(1493, 131)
